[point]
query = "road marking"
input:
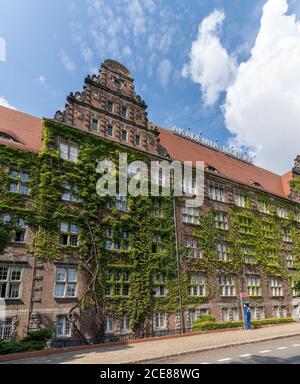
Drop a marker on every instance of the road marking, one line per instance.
(204, 363)
(245, 355)
(296, 345)
(226, 359)
(281, 348)
(265, 351)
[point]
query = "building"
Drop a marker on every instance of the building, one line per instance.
(99, 268)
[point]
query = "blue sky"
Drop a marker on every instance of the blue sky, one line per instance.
(52, 45)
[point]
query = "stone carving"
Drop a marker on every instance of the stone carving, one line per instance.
(59, 116)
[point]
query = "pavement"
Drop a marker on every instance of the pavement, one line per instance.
(283, 351)
(159, 349)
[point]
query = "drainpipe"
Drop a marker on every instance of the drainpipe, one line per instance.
(178, 269)
(31, 294)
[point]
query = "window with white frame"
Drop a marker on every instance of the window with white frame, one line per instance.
(287, 236)
(109, 325)
(223, 252)
(253, 285)
(190, 215)
(283, 213)
(257, 313)
(263, 206)
(10, 281)
(189, 186)
(279, 312)
(70, 192)
(192, 248)
(68, 152)
(249, 255)
(276, 286)
(216, 192)
(121, 203)
(66, 282)
(159, 289)
(68, 234)
(116, 240)
(20, 231)
(235, 314)
(19, 182)
(117, 283)
(221, 221)
(240, 199)
(197, 285)
(225, 314)
(5, 329)
(194, 314)
(227, 285)
(160, 320)
(5, 218)
(62, 326)
(124, 326)
(290, 259)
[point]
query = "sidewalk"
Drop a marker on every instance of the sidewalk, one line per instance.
(151, 350)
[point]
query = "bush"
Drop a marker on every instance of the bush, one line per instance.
(34, 341)
(209, 326)
(205, 319)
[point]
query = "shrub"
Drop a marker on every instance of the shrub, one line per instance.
(40, 335)
(205, 319)
(208, 326)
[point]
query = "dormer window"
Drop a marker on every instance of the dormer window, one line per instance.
(257, 185)
(110, 106)
(212, 169)
(5, 137)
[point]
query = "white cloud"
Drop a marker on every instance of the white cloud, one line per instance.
(5, 103)
(42, 80)
(262, 108)
(210, 65)
(2, 49)
(126, 51)
(164, 71)
(67, 62)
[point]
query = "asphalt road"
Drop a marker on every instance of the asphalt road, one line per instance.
(283, 351)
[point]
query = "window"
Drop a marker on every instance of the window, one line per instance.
(192, 248)
(20, 183)
(221, 221)
(121, 203)
(5, 218)
(230, 314)
(137, 140)
(109, 131)
(159, 288)
(119, 240)
(216, 192)
(110, 106)
(257, 313)
(189, 186)
(69, 234)
(268, 231)
(123, 135)
(20, 231)
(124, 112)
(249, 255)
(276, 286)
(124, 326)
(63, 326)
(68, 152)
(157, 245)
(287, 236)
(108, 290)
(246, 225)
(66, 282)
(70, 193)
(160, 320)
(283, 213)
(263, 206)
(225, 316)
(10, 282)
(223, 254)
(227, 285)
(253, 285)
(240, 199)
(117, 283)
(94, 125)
(190, 215)
(295, 293)
(157, 211)
(290, 259)
(109, 324)
(279, 312)
(5, 329)
(197, 285)
(193, 315)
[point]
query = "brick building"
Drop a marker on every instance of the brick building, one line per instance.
(243, 239)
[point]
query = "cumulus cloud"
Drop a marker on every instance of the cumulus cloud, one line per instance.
(164, 71)
(67, 62)
(5, 103)
(262, 106)
(210, 64)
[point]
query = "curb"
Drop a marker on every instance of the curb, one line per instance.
(193, 351)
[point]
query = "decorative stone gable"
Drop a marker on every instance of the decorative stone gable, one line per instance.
(109, 106)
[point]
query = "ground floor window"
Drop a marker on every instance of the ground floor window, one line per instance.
(109, 324)
(63, 326)
(5, 329)
(279, 312)
(194, 314)
(230, 314)
(160, 320)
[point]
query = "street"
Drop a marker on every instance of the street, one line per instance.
(283, 351)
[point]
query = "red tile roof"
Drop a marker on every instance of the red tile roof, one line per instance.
(26, 130)
(183, 149)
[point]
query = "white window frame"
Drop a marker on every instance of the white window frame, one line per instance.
(65, 330)
(66, 282)
(9, 282)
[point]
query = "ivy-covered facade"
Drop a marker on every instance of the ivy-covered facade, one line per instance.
(93, 267)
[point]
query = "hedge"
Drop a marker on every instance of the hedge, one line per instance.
(208, 326)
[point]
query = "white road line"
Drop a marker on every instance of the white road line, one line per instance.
(204, 363)
(226, 359)
(296, 345)
(281, 348)
(265, 351)
(245, 355)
